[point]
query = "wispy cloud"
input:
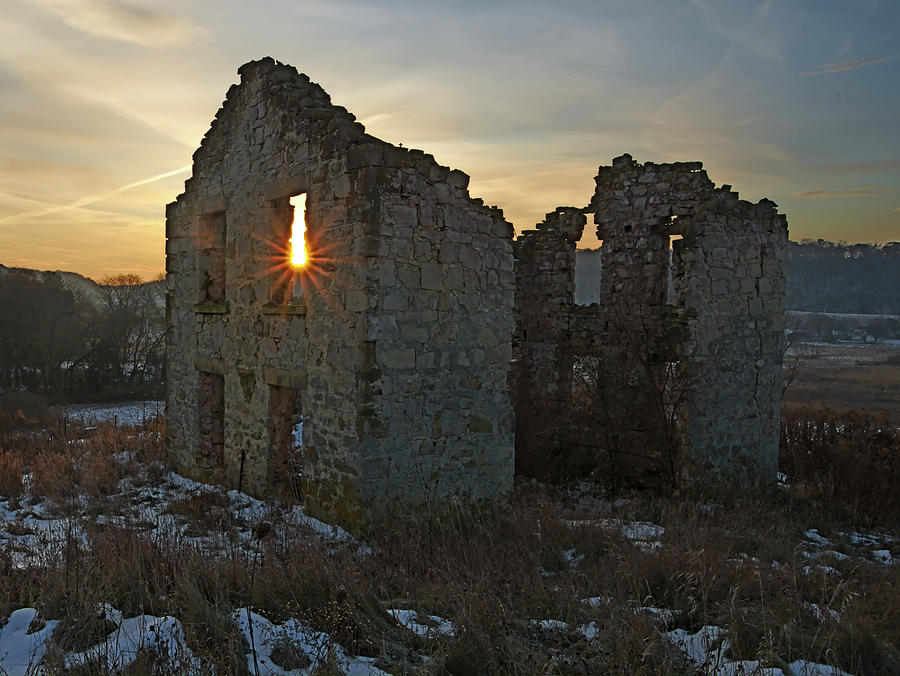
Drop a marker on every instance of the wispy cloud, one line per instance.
(752, 33)
(124, 21)
(85, 201)
(851, 64)
(849, 192)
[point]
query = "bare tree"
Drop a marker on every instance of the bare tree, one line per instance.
(131, 336)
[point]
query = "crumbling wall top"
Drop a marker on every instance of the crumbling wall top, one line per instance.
(569, 221)
(289, 103)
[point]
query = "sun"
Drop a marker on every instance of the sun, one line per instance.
(298, 230)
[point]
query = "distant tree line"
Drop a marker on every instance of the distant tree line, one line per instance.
(66, 344)
(833, 327)
(822, 276)
(843, 278)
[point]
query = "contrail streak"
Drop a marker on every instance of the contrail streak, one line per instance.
(84, 201)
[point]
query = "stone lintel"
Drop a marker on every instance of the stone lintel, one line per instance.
(211, 308)
(210, 365)
(207, 206)
(294, 308)
(285, 377)
(286, 187)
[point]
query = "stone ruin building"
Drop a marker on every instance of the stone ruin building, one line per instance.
(675, 374)
(422, 352)
(392, 343)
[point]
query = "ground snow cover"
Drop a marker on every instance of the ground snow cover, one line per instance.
(861, 543)
(664, 615)
(429, 626)
(705, 651)
(822, 614)
(642, 534)
(34, 535)
(21, 651)
(300, 644)
(134, 413)
(162, 635)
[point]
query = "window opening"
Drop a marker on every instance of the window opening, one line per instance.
(211, 246)
(285, 437)
(670, 287)
(588, 275)
(211, 405)
(586, 377)
(298, 231)
(291, 249)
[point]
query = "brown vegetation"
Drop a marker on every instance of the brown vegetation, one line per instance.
(844, 377)
(492, 568)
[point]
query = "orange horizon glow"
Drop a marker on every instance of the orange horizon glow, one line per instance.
(298, 231)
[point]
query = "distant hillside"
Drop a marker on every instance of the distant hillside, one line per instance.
(83, 288)
(846, 278)
(64, 336)
(821, 277)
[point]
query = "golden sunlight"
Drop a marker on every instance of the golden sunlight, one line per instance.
(298, 230)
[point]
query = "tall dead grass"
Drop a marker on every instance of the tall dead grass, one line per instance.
(851, 460)
(492, 568)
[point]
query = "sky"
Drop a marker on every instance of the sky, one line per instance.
(104, 102)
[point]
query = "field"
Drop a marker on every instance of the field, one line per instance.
(844, 376)
(112, 563)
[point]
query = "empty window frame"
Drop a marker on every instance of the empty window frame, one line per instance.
(211, 250)
(285, 434)
(588, 275)
(290, 244)
(211, 409)
(670, 272)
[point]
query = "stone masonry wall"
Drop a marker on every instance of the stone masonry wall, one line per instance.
(436, 416)
(542, 377)
(357, 332)
(730, 282)
(682, 385)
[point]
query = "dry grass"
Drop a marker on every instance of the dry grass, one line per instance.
(491, 568)
(12, 469)
(845, 377)
(851, 461)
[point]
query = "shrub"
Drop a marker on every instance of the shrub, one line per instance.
(852, 459)
(11, 471)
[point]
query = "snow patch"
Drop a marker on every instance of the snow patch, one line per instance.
(836, 555)
(162, 635)
(432, 627)
(550, 625)
(814, 537)
(572, 558)
(314, 648)
(705, 650)
(20, 651)
(132, 413)
(883, 556)
(597, 601)
(821, 614)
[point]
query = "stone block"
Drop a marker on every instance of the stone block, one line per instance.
(432, 276)
(469, 257)
(480, 425)
(356, 300)
(402, 215)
